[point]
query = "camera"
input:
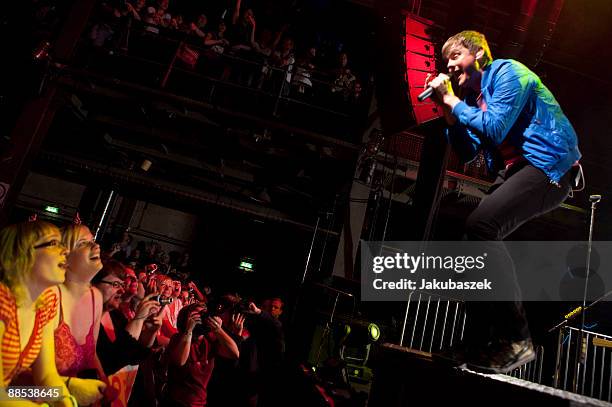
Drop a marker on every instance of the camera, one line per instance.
(221, 305)
(162, 299)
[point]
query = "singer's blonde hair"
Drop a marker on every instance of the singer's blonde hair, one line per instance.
(473, 41)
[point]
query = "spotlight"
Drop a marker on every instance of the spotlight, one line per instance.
(355, 350)
(361, 335)
(374, 332)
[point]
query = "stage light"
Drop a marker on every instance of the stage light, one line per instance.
(374, 332)
(355, 349)
(361, 335)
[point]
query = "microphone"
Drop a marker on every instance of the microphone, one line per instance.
(427, 93)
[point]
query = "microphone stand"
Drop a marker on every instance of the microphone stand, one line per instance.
(594, 199)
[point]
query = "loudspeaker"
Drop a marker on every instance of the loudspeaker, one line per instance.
(419, 57)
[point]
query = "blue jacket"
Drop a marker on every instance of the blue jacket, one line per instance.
(522, 109)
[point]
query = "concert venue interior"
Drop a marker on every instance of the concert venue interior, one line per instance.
(239, 153)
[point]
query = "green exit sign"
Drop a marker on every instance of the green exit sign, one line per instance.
(51, 209)
(246, 266)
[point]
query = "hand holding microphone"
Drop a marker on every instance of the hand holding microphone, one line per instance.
(441, 85)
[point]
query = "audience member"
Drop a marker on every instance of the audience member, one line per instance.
(285, 55)
(199, 27)
(273, 306)
(242, 25)
(80, 310)
(216, 40)
(344, 81)
(261, 343)
(119, 343)
(169, 316)
(304, 67)
(134, 293)
(32, 260)
(192, 353)
(136, 9)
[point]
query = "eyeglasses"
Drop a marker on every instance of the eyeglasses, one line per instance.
(86, 243)
(51, 243)
(115, 284)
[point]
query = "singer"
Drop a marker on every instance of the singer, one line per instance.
(504, 111)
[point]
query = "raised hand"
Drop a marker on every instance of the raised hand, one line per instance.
(237, 324)
(147, 307)
(253, 308)
(194, 319)
(214, 323)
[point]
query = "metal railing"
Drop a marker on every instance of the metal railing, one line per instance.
(532, 371)
(432, 323)
(159, 53)
(594, 374)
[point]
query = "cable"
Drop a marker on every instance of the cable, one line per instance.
(395, 165)
(579, 176)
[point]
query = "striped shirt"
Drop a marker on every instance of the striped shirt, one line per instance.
(14, 360)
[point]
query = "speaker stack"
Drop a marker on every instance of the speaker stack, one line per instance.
(419, 54)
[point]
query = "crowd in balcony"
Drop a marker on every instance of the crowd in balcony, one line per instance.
(250, 43)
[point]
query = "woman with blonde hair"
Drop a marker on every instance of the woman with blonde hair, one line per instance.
(78, 321)
(32, 260)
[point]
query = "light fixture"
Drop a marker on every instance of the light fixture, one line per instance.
(361, 334)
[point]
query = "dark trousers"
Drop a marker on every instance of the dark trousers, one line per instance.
(519, 194)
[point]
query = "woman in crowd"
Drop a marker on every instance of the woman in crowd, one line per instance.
(191, 356)
(32, 260)
(80, 310)
(169, 315)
